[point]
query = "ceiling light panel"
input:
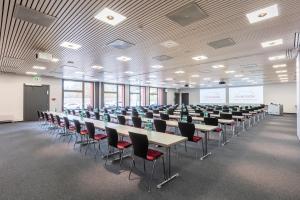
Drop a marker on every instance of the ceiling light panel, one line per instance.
(169, 44)
(123, 58)
(31, 73)
(202, 57)
(70, 45)
(272, 43)
(39, 67)
(281, 71)
(279, 66)
(263, 14)
(278, 57)
(157, 66)
(179, 72)
(97, 67)
(120, 44)
(218, 66)
(110, 17)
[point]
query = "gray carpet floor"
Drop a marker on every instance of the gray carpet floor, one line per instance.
(261, 163)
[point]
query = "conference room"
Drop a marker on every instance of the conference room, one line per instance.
(151, 99)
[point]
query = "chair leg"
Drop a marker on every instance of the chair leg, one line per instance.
(108, 152)
(87, 146)
(149, 184)
(121, 157)
(220, 138)
(144, 166)
(132, 165)
(185, 146)
(71, 136)
(164, 168)
(202, 147)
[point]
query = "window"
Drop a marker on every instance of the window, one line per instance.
(160, 96)
(78, 95)
(143, 96)
(153, 97)
(135, 95)
(113, 95)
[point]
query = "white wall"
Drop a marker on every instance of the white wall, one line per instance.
(171, 96)
(11, 90)
(284, 93)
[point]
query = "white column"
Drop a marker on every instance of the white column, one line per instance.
(298, 93)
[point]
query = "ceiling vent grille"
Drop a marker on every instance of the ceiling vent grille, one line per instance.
(187, 14)
(221, 43)
(120, 44)
(33, 16)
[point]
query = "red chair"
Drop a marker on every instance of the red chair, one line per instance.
(93, 137)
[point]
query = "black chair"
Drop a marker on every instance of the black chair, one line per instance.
(123, 112)
(134, 113)
(164, 116)
(113, 141)
(87, 114)
(170, 112)
(225, 116)
(214, 122)
(141, 149)
(121, 119)
(70, 130)
(97, 115)
(216, 112)
(69, 112)
(80, 132)
(73, 112)
(156, 111)
(93, 137)
(188, 130)
(137, 122)
(189, 119)
(107, 117)
(161, 126)
(149, 115)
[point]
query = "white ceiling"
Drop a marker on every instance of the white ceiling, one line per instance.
(147, 26)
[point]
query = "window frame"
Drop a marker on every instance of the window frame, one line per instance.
(117, 92)
(134, 93)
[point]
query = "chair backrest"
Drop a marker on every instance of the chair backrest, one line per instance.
(160, 125)
(73, 112)
(39, 115)
(134, 113)
(58, 119)
(42, 115)
(68, 111)
(87, 114)
(140, 144)
(187, 130)
(216, 112)
(235, 113)
(170, 112)
(107, 117)
(46, 116)
(156, 111)
(137, 122)
(77, 125)
(112, 135)
(91, 129)
(149, 115)
(67, 122)
(225, 116)
(52, 118)
(164, 116)
(123, 112)
(189, 119)
(211, 121)
(121, 119)
(97, 115)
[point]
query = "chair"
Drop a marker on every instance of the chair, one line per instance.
(170, 112)
(225, 116)
(164, 116)
(93, 137)
(161, 126)
(214, 122)
(121, 119)
(113, 141)
(189, 119)
(107, 117)
(141, 149)
(188, 130)
(134, 113)
(156, 111)
(87, 114)
(70, 130)
(82, 133)
(97, 115)
(73, 112)
(123, 112)
(149, 115)
(68, 111)
(137, 122)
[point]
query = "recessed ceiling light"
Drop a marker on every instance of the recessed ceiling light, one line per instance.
(169, 44)
(129, 72)
(182, 81)
(216, 81)
(157, 66)
(195, 76)
(202, 57)
(279, 66)
(193, 83)
(283, 78)
(263, 14)
(230, 72)
(148, 81)
(281, 71)
(283, 81)
(97, 67)
(202, 84)
(238, 75)
(39, 67)
(282, 75)
(169, 79)
(218, 66)
(152, 76)
(272, 43)
(246, 78)
(123, 58)
(179, 72)
(79, 72)
(206, 79)
(279, 57)
(110, 17)
(55, 60)
(31, 73)
(70, 45)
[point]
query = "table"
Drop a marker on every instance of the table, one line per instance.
(157, 138)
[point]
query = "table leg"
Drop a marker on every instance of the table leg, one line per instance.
(225, 141)
(205, 147)
(169, 176)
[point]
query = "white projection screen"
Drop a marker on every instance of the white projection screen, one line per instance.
(246, 95)
(213, 96)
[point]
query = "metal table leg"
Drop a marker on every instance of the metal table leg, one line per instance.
(205, 147)
(225, 141)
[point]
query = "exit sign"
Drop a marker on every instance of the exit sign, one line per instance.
(36, 78)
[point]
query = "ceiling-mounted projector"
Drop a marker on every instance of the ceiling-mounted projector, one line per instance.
(44, 57)
(222, 82)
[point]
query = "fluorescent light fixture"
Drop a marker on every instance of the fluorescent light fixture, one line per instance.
(238, 75)
(279, 66)
(182, 81)
(263, 14)
(246, 78)
(169, 79)
(218, 66)
(230, 72)
(192, 83)
(39, 67)
(110, 17)
(157, 66)
(283, 81)
(284, 78)
(202, 57)
(152, 76)
(97, 67)
(271, 43)
(70, 45)
(216, 81)
(278, 57)
(195, 76)
(206, 79)
(202, 84)
(169, 44)
(79, 72)
(282, 75)
(31, 73)
(129, 72)
(55, 60)
(123, 58)
(281, 71)
(179, 72)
